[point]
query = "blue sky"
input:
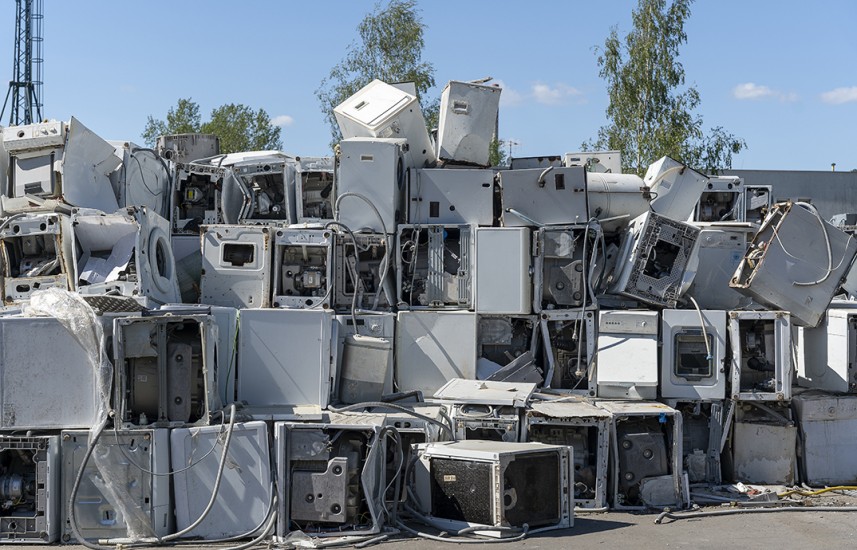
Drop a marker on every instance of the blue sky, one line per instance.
(780, 74)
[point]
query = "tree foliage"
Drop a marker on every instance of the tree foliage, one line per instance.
(651, 111)
(389, 48)
(239, 127)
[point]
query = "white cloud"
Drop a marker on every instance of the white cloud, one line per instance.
(840, 95)
(539, 92)
(753, 91)
(509, 97)
(282, 120)
(553, 95)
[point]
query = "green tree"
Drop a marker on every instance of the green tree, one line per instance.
(651, 111)
(390, 49)
(239, 127)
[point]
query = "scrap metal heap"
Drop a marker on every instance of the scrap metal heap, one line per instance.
(259, 345)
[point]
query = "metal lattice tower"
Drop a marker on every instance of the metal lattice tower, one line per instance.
(25, 88)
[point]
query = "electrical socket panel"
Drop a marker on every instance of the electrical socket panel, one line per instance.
(125, 490)
(584, 427)
(366, 263)
(435, 266)
(36, 253)
(690, 367)
(236, 266)
(165, 370)
(30, 477)
(761, 343)
(564, 266)
(570, 342)
(315, 191)
(303, 268)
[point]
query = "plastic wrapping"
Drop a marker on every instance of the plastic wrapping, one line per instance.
(80, 319)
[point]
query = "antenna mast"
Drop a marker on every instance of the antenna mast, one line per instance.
(25, 88)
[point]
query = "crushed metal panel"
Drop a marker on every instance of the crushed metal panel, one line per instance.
(553, 196)
(433, 348)
(796, 263)
(720, 250)
(763, 447)
(451, 196)
(828, 450)
(676, 187)
(36, 388)
(596, 161)
(379, 110)
(467, 122)
(285, 358)
(205, 194)
(248, 479)
(268, 185)
(826, 354)
(87, 163)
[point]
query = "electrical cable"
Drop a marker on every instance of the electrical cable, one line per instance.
(734, 511)
(704, 331)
